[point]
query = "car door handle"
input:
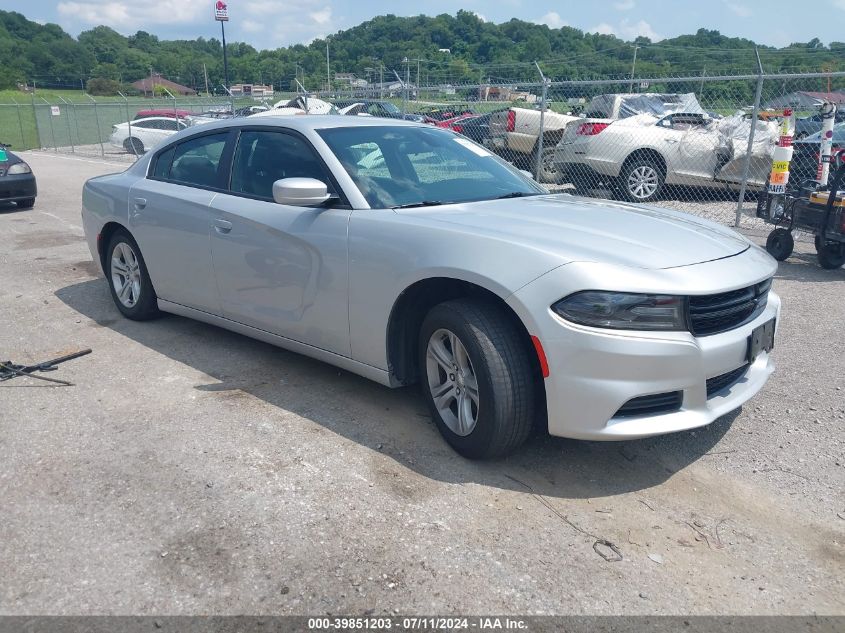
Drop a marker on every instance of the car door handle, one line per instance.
(222, 226)
(140, 203)
(671, 140)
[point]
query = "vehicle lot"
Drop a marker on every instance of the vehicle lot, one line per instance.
(192, 470)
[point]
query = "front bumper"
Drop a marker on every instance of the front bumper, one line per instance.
(593, 372)
(17, 187)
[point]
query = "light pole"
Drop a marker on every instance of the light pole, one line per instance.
(633, 68)
(328, 73)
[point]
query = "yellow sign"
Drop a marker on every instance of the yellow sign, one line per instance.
(780, 165)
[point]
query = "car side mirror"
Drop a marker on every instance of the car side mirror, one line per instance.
(300, 192)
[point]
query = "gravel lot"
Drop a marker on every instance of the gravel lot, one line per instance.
(192, 470)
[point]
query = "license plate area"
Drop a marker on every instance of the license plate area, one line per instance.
(762, 339)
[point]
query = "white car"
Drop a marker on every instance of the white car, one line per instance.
(138, 137)
(409, 254)
(640, 145)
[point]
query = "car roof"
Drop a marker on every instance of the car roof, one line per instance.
(306, 122)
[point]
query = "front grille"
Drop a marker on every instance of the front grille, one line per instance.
(719, 383)
(651, 405)
(712, 314)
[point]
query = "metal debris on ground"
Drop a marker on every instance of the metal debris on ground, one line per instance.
(9, 370)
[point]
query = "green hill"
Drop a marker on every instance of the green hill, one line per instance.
(478, 51)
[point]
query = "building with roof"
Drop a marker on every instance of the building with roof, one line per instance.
(148, 86)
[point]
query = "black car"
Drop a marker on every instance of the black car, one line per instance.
(810, 125)
(805, 157)
(476, 128)
(17, 182)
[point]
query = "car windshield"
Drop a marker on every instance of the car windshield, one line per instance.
(419, 166)
(838, 134)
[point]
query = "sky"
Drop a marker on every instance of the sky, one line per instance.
(275, 23)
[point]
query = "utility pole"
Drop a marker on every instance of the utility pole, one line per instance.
(381, 81)
(633, 68)
(205, 74)
(328, 73)
(225, 56)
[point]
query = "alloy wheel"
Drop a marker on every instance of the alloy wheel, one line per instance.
(452, 382)
(126, 274)
(643, 182)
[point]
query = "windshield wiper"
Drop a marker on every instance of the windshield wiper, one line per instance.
(516, 194)
(424, 203)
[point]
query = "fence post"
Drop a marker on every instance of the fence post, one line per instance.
(128, 118)
(754, 117)
(20, 122)
(97, 121)
(67, 120)
(539, 165)
(52, 129)
(35, 117)
(76, 123)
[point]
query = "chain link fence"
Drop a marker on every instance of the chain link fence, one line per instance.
(704, 145)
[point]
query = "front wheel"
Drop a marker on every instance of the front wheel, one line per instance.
(476, 378)
(28, 203)
(641, 180)
(780, 244)
(129, 282)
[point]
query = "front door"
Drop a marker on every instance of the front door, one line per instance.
(282, 269)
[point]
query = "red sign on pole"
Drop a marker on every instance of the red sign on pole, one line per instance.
(221, 11)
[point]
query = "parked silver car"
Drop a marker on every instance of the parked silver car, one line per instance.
(406, 253)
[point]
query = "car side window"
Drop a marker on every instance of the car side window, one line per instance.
(195, 162)
(161, 170)
(143, 124)
(262, 157)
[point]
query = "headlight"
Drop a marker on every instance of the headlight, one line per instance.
(19, 168)
(623, 311)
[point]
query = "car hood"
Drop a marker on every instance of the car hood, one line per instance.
(584, 229)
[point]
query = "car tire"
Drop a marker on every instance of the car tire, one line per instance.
(548, 172)
(830, 255)
(129, 282)
(134, 145)
(28, 203)
(474, 346)
(780, 244)
(641, 180)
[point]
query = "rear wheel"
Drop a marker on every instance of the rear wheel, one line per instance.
(641, 180)
(476, 378)
(548, 172)
(28, 203)
(134, 146)
(129, 282)
(780, 244)
(831, 254)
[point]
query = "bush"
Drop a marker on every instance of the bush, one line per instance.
(103, 87)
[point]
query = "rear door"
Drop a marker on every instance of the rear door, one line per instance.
(169, 217)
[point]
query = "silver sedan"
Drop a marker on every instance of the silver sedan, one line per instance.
(408, 254)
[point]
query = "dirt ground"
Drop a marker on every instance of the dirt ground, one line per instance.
(191, 470)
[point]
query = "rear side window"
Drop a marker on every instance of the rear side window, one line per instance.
(194, 162)
(161, 171)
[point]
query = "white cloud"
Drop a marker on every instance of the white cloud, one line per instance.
(840, 4)
(134, 15)
(323, 16)
(740, 10)
(627, 30)
(625, 5)
(251, 26)
(480, 16)
(553, 20)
